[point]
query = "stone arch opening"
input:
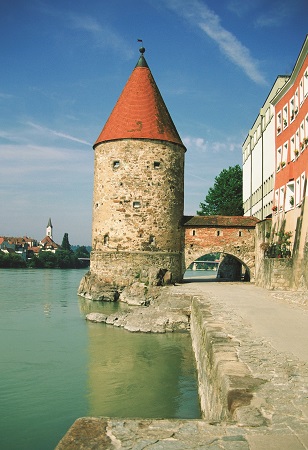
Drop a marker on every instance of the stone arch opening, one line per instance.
(217, 266)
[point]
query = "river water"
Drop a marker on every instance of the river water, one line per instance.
(55, 366)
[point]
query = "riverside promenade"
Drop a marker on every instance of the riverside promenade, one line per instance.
(271, 330)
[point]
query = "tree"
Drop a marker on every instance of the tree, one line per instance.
(11, 260)
(65, 243)
(47, 260)
(225, 197)
(82, 252)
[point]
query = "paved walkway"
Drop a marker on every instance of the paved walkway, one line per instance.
(279, 317)
(271, 328)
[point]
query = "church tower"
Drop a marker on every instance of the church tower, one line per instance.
(138, 196)
(49, 228)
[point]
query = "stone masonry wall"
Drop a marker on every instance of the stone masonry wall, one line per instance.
(225, 383)
(238, 242)
(283, 273)
(138, 202)
(138, 266)
(138, 197)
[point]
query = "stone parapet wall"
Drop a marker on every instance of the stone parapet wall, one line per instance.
(225, 383)
(276, 274)
(283, 273)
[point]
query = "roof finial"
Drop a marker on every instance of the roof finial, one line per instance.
(141, 49)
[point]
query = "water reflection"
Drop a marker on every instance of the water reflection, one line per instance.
(137, 374)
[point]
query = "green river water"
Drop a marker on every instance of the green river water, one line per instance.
(55, 366)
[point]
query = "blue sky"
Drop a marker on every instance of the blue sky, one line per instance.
(64, 64)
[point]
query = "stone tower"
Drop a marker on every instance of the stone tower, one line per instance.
(138, 198)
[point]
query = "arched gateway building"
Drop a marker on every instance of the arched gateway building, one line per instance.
(138, 200)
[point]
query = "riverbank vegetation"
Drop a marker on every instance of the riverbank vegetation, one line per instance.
(61, 259)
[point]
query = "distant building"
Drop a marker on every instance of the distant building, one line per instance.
(19, 245)
(49, 229)
(47, 244)
(26, 246)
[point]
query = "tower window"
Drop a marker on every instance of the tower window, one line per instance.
(240, 233)
(193, 232)
(106, 239)
(136, 205)
(218, 233)
(152, 240)
(116, 164)
(156, 164)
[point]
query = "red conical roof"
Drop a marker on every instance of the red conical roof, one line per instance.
(140, 112)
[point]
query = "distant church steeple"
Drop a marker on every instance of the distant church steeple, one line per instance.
(49, 228)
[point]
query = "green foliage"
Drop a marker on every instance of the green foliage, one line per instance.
(65, 243)
(82, 252)
(62, 259)
(225, 197)
(11, 260)
(47, 260)
(35, 262)
(209, 257)
(281, 248)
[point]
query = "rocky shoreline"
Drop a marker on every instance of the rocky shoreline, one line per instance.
(161, 312)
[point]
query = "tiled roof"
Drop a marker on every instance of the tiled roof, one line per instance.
(16, 240)
(220, 221)
(48, 242)
(35, 249)
(140, 112)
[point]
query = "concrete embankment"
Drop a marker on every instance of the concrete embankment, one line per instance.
(254, 396)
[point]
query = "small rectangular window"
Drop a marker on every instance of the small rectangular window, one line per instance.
(298, 191)
(116, 164)
(156, 164)
(285, 116)
(303, 185)
(136, 205)
(193, 232)
(279, 122)
(240, 233)
(217, 232)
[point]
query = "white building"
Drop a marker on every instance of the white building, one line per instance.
(259, 159)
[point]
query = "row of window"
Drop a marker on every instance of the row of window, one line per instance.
(256, 135)
(292, 148)
(151, 240)
(290, 110)
(283, 118)
(268, 186)
(258, 213)
(216, 233)
(136, 205)
(290, 195)
(116, 164)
